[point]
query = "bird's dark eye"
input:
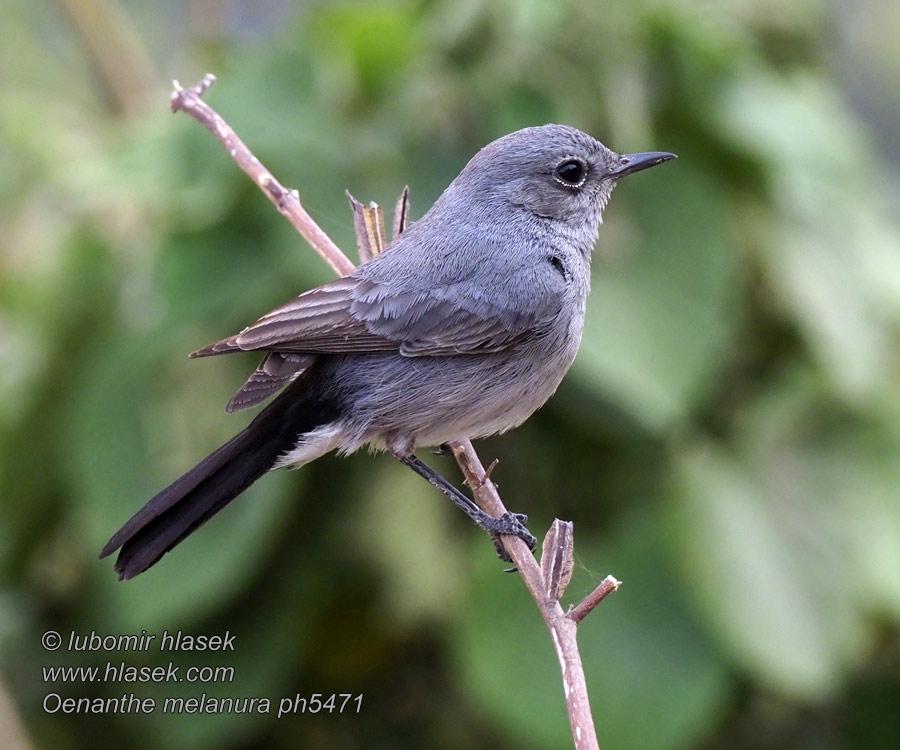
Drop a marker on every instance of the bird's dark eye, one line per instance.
(571, 172)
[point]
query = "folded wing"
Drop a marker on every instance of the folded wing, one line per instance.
(361, 314)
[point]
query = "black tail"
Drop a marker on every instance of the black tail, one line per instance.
(213, 483)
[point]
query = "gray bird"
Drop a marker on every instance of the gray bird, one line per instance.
(460, 329)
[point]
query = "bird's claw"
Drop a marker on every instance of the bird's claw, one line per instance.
(514, 525)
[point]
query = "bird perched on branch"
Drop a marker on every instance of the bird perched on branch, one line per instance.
(460, 329)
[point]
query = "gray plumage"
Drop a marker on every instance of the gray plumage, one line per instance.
(461, 328)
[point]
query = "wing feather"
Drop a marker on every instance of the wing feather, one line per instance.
(384, 307)
(274, 372)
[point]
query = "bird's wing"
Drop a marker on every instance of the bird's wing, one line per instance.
(416, 317)
(316, 322)
(276, 370)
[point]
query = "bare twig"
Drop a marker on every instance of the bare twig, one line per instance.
(562, 629)
(288, 202)
(577, 613)
(369, 224)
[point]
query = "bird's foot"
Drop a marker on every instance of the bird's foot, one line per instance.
(512, 524)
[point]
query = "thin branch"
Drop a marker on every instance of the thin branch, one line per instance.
(286, 201)
(563, 627)
(582, 610)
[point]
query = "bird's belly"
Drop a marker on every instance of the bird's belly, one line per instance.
(411, 402)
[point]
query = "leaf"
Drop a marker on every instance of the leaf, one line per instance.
(766, 569)
(832, 257)
(858, 477)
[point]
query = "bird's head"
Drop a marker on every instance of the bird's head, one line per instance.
(553, 171)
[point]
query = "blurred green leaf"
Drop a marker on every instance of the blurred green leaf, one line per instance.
(662, 309)
(828, 237)
(766, 572)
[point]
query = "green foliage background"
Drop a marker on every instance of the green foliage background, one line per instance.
(727, 442)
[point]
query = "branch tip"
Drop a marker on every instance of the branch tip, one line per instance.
(577, 613)
(208, 80)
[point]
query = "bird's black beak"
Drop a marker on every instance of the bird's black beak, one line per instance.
(631, 163)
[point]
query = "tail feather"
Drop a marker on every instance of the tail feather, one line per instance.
(194, 498)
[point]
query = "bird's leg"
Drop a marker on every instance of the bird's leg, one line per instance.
(508, 523)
